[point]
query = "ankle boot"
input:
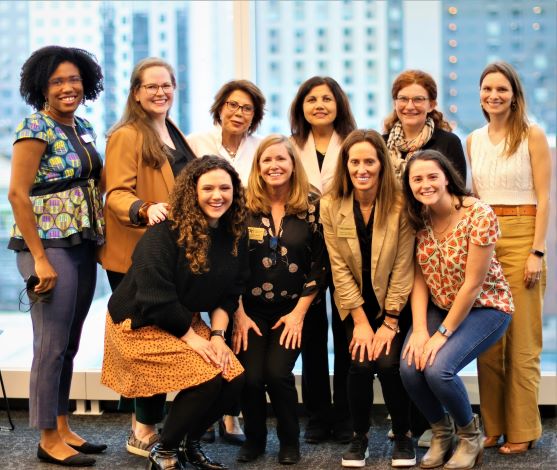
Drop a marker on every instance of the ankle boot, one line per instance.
(161, 459)
(199, 459)
(470, 446)
(441, 445)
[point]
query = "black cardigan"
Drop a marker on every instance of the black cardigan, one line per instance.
(159, 288)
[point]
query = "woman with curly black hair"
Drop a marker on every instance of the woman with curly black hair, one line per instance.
(56, 202)
(195, 261)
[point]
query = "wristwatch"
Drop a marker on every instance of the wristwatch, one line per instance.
(443, 330)
(538, 253)
(218, 333)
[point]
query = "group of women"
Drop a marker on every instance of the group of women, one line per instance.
(424, 275)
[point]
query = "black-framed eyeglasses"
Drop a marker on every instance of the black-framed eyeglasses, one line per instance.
(416, 100)
(234, 106)
(273, 245)
(152, 88)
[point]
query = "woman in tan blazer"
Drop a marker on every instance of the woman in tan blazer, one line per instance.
(371, 249)
(144, 153)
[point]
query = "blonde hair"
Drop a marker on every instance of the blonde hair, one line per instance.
(256, 193)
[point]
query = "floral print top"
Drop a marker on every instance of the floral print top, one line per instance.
(284, 266)
(443, 262)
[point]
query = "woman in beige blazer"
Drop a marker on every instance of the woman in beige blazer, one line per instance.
(371, 249)
(144, 153)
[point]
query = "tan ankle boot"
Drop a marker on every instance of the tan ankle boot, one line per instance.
(441, 443)
(470, 446)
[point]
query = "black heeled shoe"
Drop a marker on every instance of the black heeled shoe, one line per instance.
(161, 459)
(77, 460)
(196, 457)
(234, 439)
(88, 448)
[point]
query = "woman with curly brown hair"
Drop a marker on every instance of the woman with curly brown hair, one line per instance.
(155, 342)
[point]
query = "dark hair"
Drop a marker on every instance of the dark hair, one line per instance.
(418, 77)
(456, 187)
(388, 191)
(190, 221)
(248, 87)
(343, 124)
(39, 67)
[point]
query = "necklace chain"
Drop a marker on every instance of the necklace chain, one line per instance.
(440, 232)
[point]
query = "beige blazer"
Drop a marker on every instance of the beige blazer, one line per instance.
(128, 180)
(392, 257)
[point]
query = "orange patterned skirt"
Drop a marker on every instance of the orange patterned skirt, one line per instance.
(148, 360)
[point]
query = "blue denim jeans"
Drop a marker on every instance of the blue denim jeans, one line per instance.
(438, 389)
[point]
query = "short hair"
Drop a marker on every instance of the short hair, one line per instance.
(257, 195)
(343, 124)
(248, 87)
(389, 190)
(187, 217)
(41, 64)
(456, 186)
(418, 77)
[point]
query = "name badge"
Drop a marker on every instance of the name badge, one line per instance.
(87, 138)
(346, 232)
(256, 233)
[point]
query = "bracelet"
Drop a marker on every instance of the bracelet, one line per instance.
(218, 333)
(396, 329)
(142, 214)
(392, 315)
(538, 253)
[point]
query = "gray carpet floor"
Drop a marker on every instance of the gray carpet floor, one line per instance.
(18, 448)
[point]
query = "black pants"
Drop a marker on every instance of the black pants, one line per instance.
(316, 389)
(195, 409)
(268, 368)
(360, 383)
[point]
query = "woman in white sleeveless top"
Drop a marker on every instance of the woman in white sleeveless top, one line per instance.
(511, 170)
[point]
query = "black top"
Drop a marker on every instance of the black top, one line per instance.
(449, 145)
(159, 288)
(320, 158)
(365, 236)
(286, 267)
(182, 154)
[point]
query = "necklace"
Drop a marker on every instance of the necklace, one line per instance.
(229, 150)
(441, 232)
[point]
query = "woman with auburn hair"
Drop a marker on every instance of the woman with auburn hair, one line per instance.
(144, 153)
(371, 248)
(415, 123)
(194, 261)
(287, 270)
(511, 171)
(320, 119)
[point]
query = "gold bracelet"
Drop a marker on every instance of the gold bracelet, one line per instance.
(396, 329)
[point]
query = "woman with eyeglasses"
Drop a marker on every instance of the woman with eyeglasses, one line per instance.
(320, 119)
(415, 123)
(237, 111)
(287, 271)
(144, 154)
(57, 205)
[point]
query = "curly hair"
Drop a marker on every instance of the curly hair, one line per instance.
(39, 67)
(425, 80)
(247, 87)
(190, 221)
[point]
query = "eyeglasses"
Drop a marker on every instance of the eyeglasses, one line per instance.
(416, 100)
(234, 106)
(273, 245)
(152, 88)
(58, 82)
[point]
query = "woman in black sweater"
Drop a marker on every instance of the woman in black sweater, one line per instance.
(155, 340)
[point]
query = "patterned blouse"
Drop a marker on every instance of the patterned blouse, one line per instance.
(284, 266)
(443, 262)
(66, 200)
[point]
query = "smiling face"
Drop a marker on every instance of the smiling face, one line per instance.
(276, 166)
(320, 106)
(214, 194)
(412, 116)
(364, 168)
(496, 94)
(428, 182)
(156, 104)
(65, 91)
(236, 122)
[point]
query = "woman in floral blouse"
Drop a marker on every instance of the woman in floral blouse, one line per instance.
(461, 303)
(287, 270)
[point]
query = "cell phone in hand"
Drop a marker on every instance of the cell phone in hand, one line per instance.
(30, 284)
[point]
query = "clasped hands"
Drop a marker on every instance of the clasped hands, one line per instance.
(365, 340)
(422, 348)
(213, 351)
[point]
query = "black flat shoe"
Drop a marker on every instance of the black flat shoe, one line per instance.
(77, 460)
(88, 448)
(196, 457)
(289, 454)
(249, 452)
(234, 439)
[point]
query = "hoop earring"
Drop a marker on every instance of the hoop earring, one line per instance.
(46, 106)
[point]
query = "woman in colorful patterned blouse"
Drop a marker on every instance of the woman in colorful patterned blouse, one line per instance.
(461, 303)
(57, 207)
(287, 271)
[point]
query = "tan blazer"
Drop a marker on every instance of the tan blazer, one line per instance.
(392, 257)
(128, 180)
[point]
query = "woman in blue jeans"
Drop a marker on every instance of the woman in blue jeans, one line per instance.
(461, 303)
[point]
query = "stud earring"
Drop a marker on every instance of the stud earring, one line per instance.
(513, 105)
